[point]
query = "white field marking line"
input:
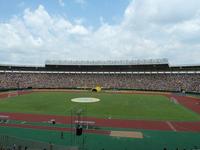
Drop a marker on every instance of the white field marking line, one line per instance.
(171, 126)
(174, 100)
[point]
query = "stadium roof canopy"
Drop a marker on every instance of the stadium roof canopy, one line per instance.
(108, 62)
(145, 65)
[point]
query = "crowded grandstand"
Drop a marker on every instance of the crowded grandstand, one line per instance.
(153, 74)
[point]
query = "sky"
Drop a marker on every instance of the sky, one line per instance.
(32, 31)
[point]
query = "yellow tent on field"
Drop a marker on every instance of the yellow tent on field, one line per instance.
(96, 89)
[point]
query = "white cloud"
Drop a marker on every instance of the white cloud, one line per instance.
(61, 3)
(38, 36)
(149, 29)
(79, 20)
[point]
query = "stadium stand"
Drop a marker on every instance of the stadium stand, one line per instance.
(139, 75)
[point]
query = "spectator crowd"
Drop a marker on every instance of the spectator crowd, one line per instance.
(165, 82)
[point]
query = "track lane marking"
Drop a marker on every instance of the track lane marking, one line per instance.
(171, 126)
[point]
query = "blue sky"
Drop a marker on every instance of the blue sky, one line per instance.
(32, 31)
(91, 12)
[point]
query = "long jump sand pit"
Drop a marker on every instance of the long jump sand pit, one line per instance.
(127, 134)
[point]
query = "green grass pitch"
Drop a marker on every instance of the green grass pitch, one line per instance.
(121, 106)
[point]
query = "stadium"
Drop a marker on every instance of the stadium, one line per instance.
(101, 105)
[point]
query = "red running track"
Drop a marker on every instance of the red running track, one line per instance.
(114, 123)
(189, 102)
(6, 94)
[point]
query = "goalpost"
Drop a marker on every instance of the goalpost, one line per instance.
(13, 93)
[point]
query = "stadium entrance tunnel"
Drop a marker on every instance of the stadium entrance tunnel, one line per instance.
(94, 90)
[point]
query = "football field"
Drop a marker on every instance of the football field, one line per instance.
(111, 105)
